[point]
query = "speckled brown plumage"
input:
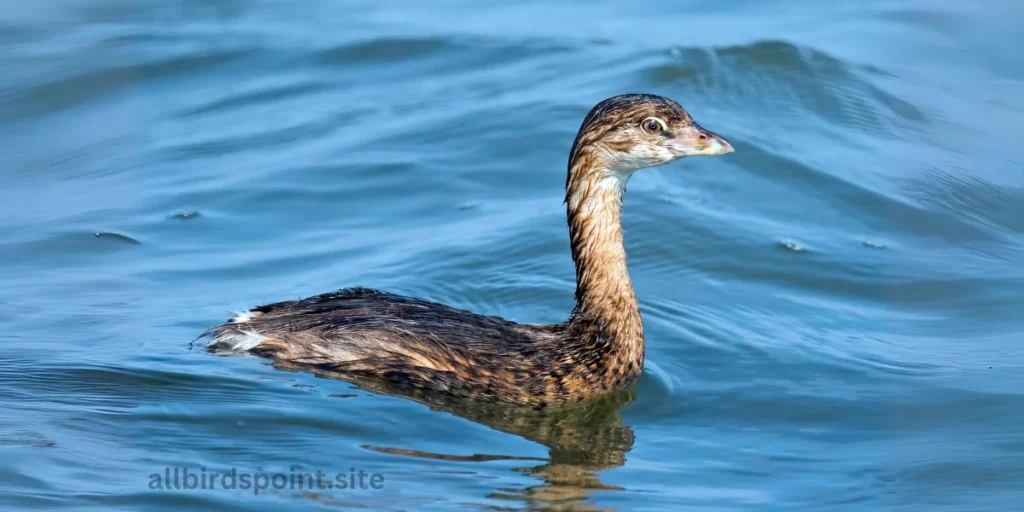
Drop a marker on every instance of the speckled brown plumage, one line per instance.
(416, 344)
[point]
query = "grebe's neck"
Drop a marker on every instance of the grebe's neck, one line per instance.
(606, 305)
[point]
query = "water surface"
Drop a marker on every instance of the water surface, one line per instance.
(834, 313)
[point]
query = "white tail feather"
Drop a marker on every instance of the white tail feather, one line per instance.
(241, 318)
(236, 340)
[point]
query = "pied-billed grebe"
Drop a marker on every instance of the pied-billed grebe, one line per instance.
(419, 344)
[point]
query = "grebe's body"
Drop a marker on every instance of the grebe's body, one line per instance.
(424, 345)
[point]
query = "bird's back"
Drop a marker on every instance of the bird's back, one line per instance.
(408, 341)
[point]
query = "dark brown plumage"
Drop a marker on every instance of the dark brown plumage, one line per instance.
(360, 333)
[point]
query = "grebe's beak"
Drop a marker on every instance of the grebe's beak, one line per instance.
(694, 140)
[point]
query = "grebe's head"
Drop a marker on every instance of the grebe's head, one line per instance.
(633, 131)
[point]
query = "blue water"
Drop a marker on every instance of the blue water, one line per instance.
(834, 313)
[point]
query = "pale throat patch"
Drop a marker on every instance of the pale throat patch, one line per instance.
(640, 157)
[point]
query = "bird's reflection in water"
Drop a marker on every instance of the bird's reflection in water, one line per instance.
(582, 439)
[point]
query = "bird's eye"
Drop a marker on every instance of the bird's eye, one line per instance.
(654, 125)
